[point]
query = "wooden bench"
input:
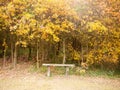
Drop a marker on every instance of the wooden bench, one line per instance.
(60, 65)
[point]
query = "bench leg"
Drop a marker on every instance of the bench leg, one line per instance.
(67, 70)
(48, 72)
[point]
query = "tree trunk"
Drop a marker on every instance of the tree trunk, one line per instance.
(58, 48)
(79, 62)
(64, 55)
(30, 53)
(82, 56)
(4, 59)
(43, 56)
(38, 63)
(12, 51)
(15, 57)
(43, 52)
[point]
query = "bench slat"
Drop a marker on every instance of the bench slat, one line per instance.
(66, 65)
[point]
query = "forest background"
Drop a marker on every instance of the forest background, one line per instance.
(61, 31)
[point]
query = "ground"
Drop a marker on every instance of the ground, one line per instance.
(21, 79)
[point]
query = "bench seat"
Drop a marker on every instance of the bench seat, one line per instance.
(59, 65)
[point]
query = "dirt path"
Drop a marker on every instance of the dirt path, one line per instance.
(23, 80)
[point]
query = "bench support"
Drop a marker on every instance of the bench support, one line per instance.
(48, 72)
(67, 71)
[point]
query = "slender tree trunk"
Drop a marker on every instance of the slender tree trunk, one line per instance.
(38, 63)
(87, 48)
(4, 59)
(40, 52)
(43, 51)
(30, 53)
(64, 55)
(43, 56)
(58, 48)
(4, 53)
(12, 51)
(82, 53)
(79, 62)
(15, 57)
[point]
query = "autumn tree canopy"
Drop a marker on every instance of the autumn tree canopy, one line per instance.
(61, 31)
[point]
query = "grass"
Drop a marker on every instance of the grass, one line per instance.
(77, 71)
(99, 72)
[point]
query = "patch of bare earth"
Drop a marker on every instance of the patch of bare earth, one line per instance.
(21, 79)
